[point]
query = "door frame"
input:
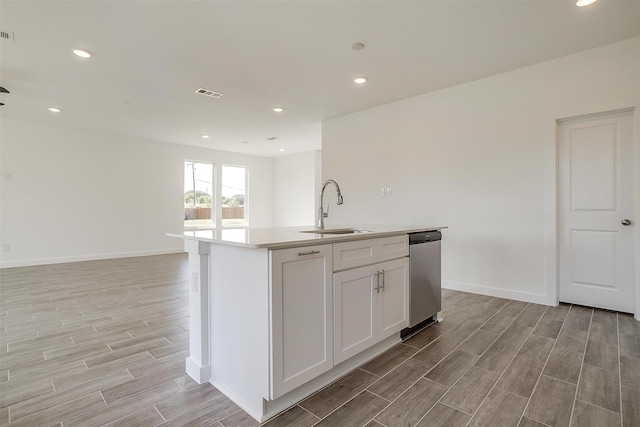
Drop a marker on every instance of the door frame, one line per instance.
(552, 194)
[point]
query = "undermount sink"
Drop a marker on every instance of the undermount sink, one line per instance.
(336, 231)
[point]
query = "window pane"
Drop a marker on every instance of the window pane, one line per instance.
(233, 195)
(198, 195)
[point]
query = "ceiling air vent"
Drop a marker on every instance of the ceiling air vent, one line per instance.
(209, 93)
(7, 35)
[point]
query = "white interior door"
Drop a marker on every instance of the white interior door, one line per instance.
(597, 188)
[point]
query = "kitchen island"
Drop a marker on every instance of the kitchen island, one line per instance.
(278, 313)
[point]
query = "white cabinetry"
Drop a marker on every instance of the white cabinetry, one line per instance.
(371, 302)
(301, 316)
(270, 324)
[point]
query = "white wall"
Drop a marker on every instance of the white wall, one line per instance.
(296, 181)
(71, 194)
(478, 158)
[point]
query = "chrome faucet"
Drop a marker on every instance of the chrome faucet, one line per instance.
(322, 214)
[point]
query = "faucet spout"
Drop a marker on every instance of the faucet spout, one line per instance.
(322, 214)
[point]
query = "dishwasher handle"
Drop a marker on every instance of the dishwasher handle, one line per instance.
(424, 237)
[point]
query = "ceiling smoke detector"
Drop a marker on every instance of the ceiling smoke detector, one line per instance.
(208, 92)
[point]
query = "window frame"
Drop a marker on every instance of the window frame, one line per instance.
(245, 224)
(214, 190)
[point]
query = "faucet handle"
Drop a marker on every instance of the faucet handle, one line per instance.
(325, 213)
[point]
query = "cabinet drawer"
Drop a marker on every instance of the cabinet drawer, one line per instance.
(354, 254)
(359, 253)
(393, 247)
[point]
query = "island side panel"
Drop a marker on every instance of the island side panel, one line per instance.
(198, 364)
(240, 325)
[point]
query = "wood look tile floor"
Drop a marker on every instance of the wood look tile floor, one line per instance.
(104, 343)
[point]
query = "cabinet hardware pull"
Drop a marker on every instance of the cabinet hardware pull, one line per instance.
(308, 253)
(377, 288)
(382, 280)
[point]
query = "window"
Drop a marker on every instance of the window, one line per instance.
(233, 201)
(198, 195)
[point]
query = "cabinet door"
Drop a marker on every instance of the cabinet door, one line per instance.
(301, 316)
(355, 307)
(393, 299)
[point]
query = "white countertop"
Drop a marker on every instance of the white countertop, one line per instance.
(282, 237)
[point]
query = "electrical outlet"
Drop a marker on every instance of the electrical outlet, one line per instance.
(6, 248)
(386, 191)
(194, 282)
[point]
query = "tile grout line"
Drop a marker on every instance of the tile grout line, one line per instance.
(566, 326)
(488, 320)
(420, 378)
(482, 354)
(304, 409)
(555, 341)
(400, 395)
(160, 413)
(339, 407)
(619, 369)
(575, 398)
(449, 389)
(377, 395)
(509, 364)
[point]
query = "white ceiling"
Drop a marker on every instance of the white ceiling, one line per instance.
(150, 57)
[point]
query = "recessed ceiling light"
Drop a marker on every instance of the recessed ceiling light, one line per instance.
(282, 149)
(272, 138)
(581, 3)
(357, 46)
(54, 109)
(83, 53)
(205, 136)
(245, 142)
(360, 80)
(278, 109)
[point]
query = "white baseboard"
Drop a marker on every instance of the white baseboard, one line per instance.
(497, 292)
(79, 258)
(199, 373)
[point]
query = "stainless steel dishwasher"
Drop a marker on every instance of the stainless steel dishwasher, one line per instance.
(425, 286)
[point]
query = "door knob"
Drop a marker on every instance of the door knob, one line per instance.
(626, 222)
